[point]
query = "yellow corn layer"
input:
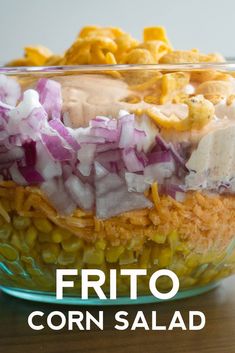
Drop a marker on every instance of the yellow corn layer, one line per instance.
(183, 237)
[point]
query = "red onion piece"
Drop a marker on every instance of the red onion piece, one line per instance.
(30, 174)
(86, 156)
(55, 147)
(131, 160)
(45, 164)
(50, 97)
(56, 193)
(30, 152)
(136, 182)
(64, 132)
(127, 128)
(108, 135)
(112, 196)
(81, 193)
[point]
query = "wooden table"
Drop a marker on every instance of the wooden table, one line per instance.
(217, 337)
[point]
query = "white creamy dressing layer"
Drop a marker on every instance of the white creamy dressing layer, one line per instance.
(212, 162)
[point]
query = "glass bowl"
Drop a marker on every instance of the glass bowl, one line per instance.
(116, 167)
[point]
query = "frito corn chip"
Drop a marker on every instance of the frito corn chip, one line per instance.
(180, 57)
(97, 31)
(152, 83)
(125, 43)
(139, 56)
(209, 75)
(156, 33)
(212, 58)
(54, 60)
(157, 48)
(200, 112)
(219, 88)
(37, 54)
(20, 62)
(110, 59)
(34, 56)
(172, 84)
(87, 50)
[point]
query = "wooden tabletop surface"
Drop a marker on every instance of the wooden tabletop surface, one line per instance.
(218, 336)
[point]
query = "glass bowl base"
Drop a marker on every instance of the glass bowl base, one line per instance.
(49, 297)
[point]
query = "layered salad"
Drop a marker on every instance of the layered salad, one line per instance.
(117, 166)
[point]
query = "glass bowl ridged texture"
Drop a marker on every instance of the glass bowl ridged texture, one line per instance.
(194, 237)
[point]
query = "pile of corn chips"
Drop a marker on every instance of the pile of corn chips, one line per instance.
(111, 45)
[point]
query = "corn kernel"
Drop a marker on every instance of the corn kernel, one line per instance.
(79, 261)
(173, 239)
(30, 236)
(182, 248)
(208, 275)
(50, 253)
(21, 223)
(2, 221)
(43, 225)
(16, 241)
(93, 256)
(155, 252)
(44, 237)
(6, 204)
(159, 238)
(72, 244)
(66, 258)
(165, 257)
(127, 258)
(112, 254)
(60, 233)
(57, 236)
(101, 244)
(193, 260)
(9, 252)
(145, 258)
(5, 231)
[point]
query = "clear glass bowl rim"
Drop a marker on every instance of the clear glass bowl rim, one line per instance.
(18, 70)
